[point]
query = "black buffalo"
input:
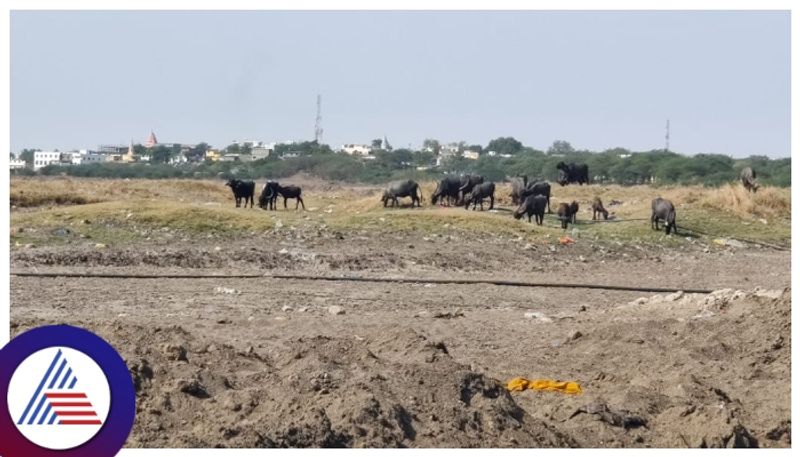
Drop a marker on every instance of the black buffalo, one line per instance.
(597, 208)
(663, 210)
(271, 191)
(479, 192)
(242, 190)
(468, 182)
(407, 188)
(566, 214)
(573, 208)
(537, 188)
(533, 205)
(749, 181)
(269, 195)
(572, 173)
(447, 189)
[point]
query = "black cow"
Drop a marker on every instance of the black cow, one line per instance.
(537, 188)
(663, 210)
(597, 208)
(573, 208)
(269, 195)
(479, 192)
(408, 188)
(572, 173)
(242, 190)
(533, 205)
(565, 213)
(749, 180)
(468, 182)
(447, 188)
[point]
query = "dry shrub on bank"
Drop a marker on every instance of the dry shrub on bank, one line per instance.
(768, 202)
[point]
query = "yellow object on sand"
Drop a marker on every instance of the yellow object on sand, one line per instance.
(520, 384)
(565, 240)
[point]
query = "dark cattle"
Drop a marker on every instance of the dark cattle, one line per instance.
(447, 188)
(518, 185)
(749, 181)
(533, 205)
(269, 195)
(573, 208)
(477, 195)
(468, 182)
(572, 173)
(271, 190)
(242, 190)
(291, 192)
(663, 210)
(406, 188)
(538, 188)
(597, 207)
(565, 215)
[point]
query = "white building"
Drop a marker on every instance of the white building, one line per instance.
(16, 164)
(42, 159)
(357, 149)
(261, 152)
(472, 155)
(87, 156)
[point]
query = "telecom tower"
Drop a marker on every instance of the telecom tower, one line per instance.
(318, 123)
(666, 137)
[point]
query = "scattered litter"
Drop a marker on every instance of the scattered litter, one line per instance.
(278, 224)
(729, 242)
(335, 310)
(616, 418)
(538, 316)
(286, 308)
(100, 246)
(520, 384)
(564, 240)
(226, 290)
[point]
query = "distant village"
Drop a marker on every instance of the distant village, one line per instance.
(249, 151)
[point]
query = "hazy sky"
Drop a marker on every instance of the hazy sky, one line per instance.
(595, 79)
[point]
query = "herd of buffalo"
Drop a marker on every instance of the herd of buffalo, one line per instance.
(532, 198)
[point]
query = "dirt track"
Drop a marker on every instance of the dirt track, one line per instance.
(266, 362)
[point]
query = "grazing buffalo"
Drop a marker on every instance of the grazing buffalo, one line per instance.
(269, 195)
(749, 181)
(533, 205)
(518, 185)
(663, 210)
(572, 173)
(597, 208)
(573, 208)
(447, 189)
(468, 182)
(291, 192)
(565, 215)
(242, 190)
(479, 192)
(537, 188)
(406, 188)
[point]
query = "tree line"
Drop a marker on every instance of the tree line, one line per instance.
(500, 159)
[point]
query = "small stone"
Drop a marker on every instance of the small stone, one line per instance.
(335, 310)
(286, 308)
(582, 258)
(226, 290)
(217, 248)
(100, 246)
(552, 248)
(283, 251)
(86, 221)
(174, 351)
(674, 296)
(574, 335)
(278, 224)
(582, 308)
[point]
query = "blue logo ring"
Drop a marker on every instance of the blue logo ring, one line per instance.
(119, 423)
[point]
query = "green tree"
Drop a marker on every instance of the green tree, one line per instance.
(198, 152)
(560, 147)
(161, 154)
(432, 145)
(504, 145)
(27, 156)
(376, 143)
